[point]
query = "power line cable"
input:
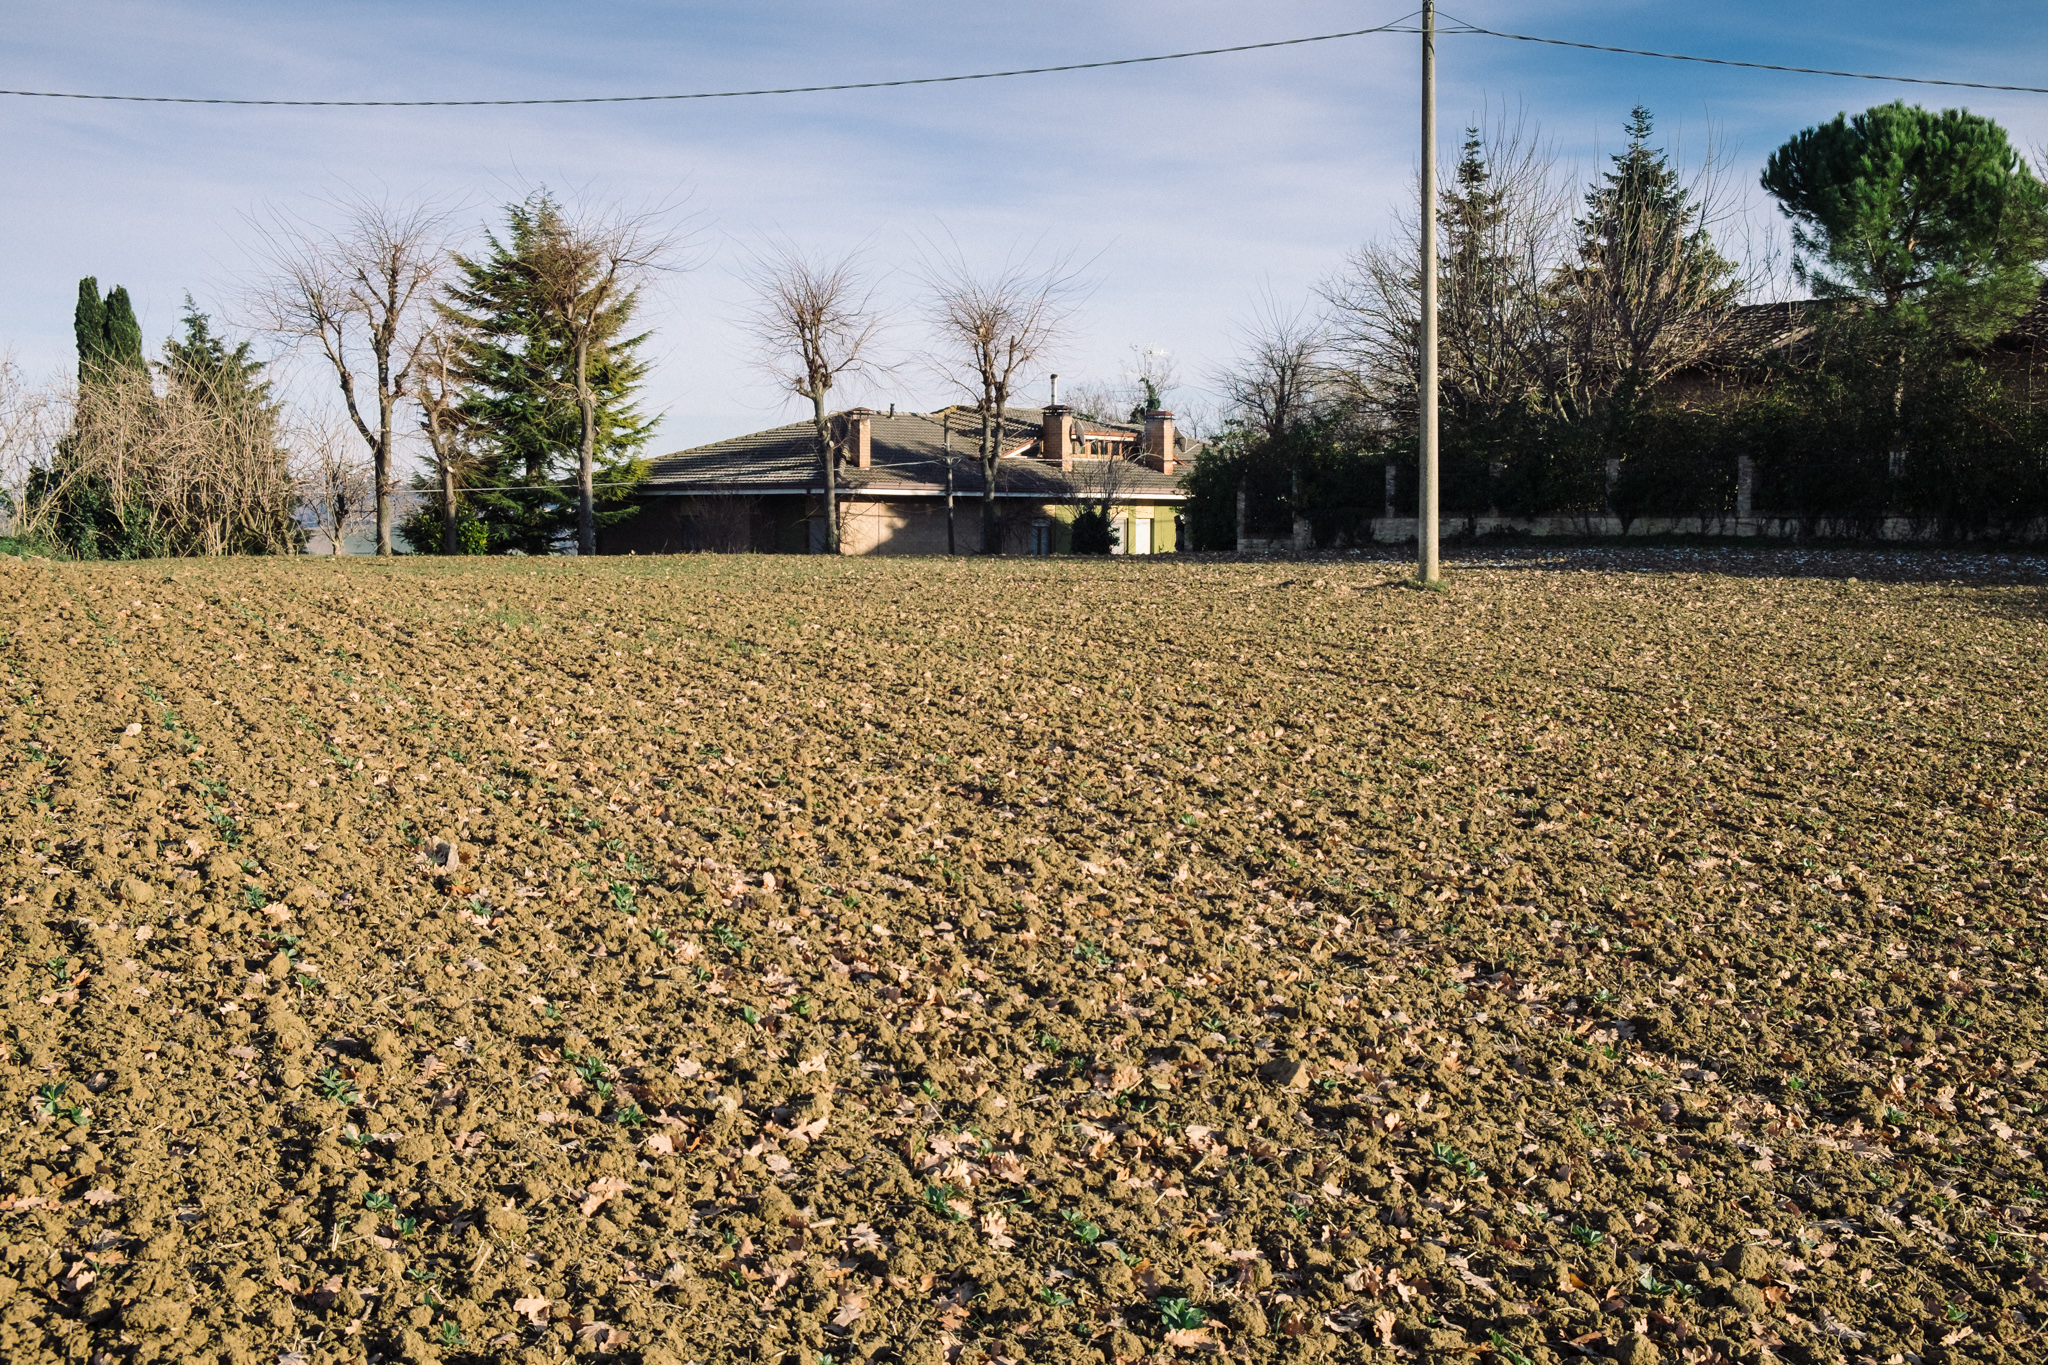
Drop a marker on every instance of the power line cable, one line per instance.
(1729, 61)
(1394, 27)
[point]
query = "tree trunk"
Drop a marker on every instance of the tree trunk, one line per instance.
(449, 538)
(586, 453)
(381, 456)
(991, 450)
(823, 429)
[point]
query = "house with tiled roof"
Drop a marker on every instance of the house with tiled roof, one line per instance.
(911, 483)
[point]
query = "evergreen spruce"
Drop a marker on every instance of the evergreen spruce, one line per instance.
(202, 363)
(1648, 284)
(521, 410)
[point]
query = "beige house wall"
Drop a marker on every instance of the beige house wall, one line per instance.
(909, 527)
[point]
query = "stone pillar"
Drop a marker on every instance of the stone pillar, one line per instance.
(1304, 534)
(1240, 520)
(1392, 482)
(1745, 494)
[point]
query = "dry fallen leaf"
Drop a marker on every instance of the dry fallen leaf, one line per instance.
(603, 1188)
(533, 1310)
(603, 1337)
(850, 1309)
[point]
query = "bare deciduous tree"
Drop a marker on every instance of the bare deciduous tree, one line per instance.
(357, 290)
(1098, 485)
(584, 273)
(1500, 341)
(33, 418)
(992, 329)
(335, 484)
(1282, 374)
(440, 393)
(815, 323)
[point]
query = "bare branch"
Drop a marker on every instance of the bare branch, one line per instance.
(358, 291)
(814, 324)
(991, 330)
(1282, 375)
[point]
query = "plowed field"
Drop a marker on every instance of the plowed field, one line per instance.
(780, 960)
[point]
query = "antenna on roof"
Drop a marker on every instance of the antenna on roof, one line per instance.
(892, 409)
(1055, 391)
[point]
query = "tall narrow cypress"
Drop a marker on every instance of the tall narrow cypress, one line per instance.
(108, 334)
(89, 326)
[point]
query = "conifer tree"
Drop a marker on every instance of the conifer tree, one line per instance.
(109, 337)
(1648, 286)
(520, 411)
(1931, 216)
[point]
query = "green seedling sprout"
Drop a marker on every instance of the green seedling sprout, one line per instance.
(1087, 1232)
(335, 1086)
(1456, 1160)
(1178, 1315)
(379, 1202)
(938, 1199)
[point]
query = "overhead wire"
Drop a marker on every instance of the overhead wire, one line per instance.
(1465, 27)
(1393, 27)
(1470, 28)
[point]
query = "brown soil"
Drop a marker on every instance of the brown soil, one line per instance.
(786, 960)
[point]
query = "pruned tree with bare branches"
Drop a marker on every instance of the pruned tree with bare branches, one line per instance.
(583, 275)
(335, 484)
(991, 330)
(815, 324)
(441, 394)
(358, 291)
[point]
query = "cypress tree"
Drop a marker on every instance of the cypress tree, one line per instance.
(109, 336)
(89, 327)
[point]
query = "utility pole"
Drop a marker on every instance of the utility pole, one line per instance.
(1427, 570)
(949, 485)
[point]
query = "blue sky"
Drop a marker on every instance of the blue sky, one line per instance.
(1191, 189)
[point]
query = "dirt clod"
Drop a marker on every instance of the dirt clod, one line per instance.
(726, 959)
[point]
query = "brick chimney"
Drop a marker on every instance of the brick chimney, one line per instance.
(1159, 452)
(1056, 437)
(860, 437)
